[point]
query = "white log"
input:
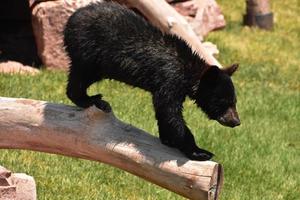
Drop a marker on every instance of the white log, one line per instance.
(95, 135)
(167, 19)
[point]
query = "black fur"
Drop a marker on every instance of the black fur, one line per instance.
(106, 40)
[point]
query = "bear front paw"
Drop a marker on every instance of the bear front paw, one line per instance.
(191, 151)
(101, 104)
(198, 154)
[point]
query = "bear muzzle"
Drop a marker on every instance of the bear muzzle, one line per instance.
(230, 118)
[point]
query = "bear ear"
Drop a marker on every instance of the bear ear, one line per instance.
(212, 72)
(230, 70)
(211, 75)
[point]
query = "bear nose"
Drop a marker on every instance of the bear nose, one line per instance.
(235, 122)
(230, 118)
(234, 119)
(231, 122)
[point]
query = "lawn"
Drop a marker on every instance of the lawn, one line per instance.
(261, 157)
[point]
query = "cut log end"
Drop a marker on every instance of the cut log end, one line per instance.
(216, 183)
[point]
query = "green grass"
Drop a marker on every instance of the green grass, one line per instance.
(261, 157)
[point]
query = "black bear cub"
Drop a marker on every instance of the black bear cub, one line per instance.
(106, 40)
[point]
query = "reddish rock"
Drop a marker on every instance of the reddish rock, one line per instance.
(16, 186)
(33, 2)
(187, 8)
(26, 187)
(4, 172)
(203, 15)
(48, 20)
(4, 181)
(8, 193)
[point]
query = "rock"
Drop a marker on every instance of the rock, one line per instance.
(26, 187)
(4, 172)
(203, 15)
(34, 2)
(12, 67)
(8, 193)
(4, 181)
(48, 20)
(209, 17)
(16, 186)
(187, 8)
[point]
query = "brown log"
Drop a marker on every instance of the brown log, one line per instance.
(167, 19)
(95, 135)
(258, 13)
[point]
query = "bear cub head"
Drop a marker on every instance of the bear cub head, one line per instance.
(215, 95)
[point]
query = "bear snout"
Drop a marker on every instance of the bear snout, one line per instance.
(230, 118)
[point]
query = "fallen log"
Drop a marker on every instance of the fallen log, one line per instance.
(167, 19)
(94, 135)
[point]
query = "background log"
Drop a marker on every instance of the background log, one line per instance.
(94, 135)
(167, 19)
(258, 13)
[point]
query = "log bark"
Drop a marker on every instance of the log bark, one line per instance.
(94, 135)
(167, 19)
